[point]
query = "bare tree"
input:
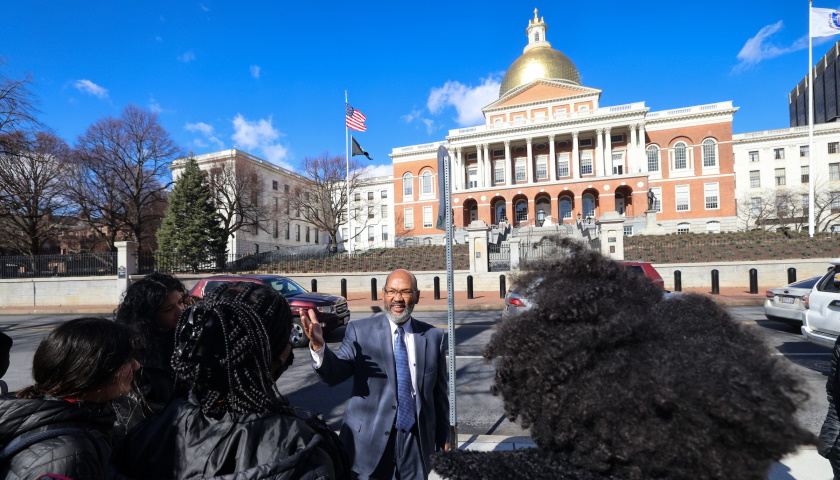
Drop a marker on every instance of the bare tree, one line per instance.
(32, 193)
(17, 105)
(122, 173)
(322, 199)
(826, 205)
(238, 194)
(756, 208)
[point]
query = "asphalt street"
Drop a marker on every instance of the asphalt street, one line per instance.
(479, 412)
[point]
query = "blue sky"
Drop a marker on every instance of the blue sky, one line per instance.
(269, 76)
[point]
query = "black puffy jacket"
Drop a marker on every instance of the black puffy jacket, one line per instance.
(72, 456)
(830, 432)
(184, 443)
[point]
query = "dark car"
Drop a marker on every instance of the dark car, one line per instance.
(332, 310)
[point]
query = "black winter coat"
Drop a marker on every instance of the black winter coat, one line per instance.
(72, 456)
(830, 433)
(184, 443)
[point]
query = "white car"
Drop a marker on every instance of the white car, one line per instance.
(822, 308)
(786, 304)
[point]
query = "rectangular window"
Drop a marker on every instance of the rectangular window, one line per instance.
(681, 194)
(586, 162)
(563, 165)
(383, 211)
(542, 167)
(834, 171)
(779, 153)
(653, 158)
(408, 218)
(288, 231)
(803, 150)
(754, 156)
(426, 184)
(472, 156)
(316, 236)
(835, 201)
(370, 211)
(383, 194)
(712, 194)
(781, 206)
(833, 147)
(755, 206)
(358, 234)
(618, 163)
(520, 170)
(780, 176)
(357, 197)
(370, 196)
(804, 200)
(274, 185)
(285, 189)
(617, 138)
(804, 174)
(408, 189)
(371, 234)
(297, 233)
(384, 233)
(683, 228)
(276, 229)
(498, 153)
(585, 142)
(427, 217)
(344, 233)
(307, 234)
(628, 230)
(499, 172)
(657, 194)
(755, 179)
(680, 158)
(472, 176)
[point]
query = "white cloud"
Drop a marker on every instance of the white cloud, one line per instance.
(760, 47)
(154, 106)
(207, 132)
(467, 100)
(255, 71)
(159, 38)
(378, 171)
(417, 115)
(86, 86)
(260, 136)
(186, 57)
(203, 7)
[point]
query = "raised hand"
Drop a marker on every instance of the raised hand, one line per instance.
(312, 329)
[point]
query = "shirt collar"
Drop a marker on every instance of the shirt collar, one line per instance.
(406, 327)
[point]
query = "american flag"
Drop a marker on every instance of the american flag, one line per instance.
(355, 119)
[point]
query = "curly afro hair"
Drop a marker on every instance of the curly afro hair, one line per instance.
(621, 382)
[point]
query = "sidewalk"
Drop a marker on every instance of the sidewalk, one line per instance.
(806, 464)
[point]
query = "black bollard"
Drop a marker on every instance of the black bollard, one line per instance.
(753, 281)
(677, 281)
(437, 288)
(344, 287)
(502, 286)
(469, 287)
(715, 282)
(791, 275)
(373, 289)
(314, 285)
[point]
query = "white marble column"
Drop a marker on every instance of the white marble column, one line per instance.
(640, 139)
(457, 167)
(552, 160)
(574, 162)
(479, 161)
(598, 168)
(508, 169)
(608, 169)
(529, 161)
(487, 173)
(633, 156)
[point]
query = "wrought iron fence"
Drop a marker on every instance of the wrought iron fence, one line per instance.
(385, 259)
(498, 257)
(70, 265)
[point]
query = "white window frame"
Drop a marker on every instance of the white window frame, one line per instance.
(833, 147)
(710, 153)
(755, 178)
(779, 153)
(780, 180)
(408, 218)
(563, 169)
(682, 198)
(427, 183)
(617, 138)
(676, 161)
(711, 195)
(587, 164)
(833, 171)
(542, 167)
(683, 228)
(755, 206)
(384, 233)
(499, 172)
(408, 185)
(428, 222)
(472, 177)
(803, 150)
(383, 211)
(653, 149)
(520, 170)
(804, 173)
(713, 227)
(753, 156)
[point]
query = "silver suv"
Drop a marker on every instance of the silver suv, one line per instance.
(822, 308)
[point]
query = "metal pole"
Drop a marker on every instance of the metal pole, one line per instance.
(349, 238)
(450, 301)
(810, 127)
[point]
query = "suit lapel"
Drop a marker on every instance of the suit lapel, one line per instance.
(420, 358)
(386, 346)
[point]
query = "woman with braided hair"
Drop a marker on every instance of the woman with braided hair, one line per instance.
(229, 352)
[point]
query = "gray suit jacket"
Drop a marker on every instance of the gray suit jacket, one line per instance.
(367, 355)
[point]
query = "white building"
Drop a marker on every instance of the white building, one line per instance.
(776, 163)
(372, 215)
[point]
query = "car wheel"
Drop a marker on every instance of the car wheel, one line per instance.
(298, 339)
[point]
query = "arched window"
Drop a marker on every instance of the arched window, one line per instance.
(565, 207)
(408, 188)
(683, 228)
(652, 158)
(427, 183)
(521, 211)
(709, 153)
(588, 204)
(543, 209)
(680, 156)
(713, 227)
(500, 212)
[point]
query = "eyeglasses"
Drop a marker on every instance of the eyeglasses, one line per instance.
(402, 293)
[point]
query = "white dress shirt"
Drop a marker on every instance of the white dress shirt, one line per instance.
(318, 356)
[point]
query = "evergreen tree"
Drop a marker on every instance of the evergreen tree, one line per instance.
(190, 232)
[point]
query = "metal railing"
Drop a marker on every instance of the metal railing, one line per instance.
(69, 265)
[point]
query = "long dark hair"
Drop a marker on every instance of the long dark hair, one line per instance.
(78, 357)
(138, 310)
(224, 348)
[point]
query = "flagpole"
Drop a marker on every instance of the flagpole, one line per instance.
(811, 152)
(347, 177)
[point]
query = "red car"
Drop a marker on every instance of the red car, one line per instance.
(332, 310)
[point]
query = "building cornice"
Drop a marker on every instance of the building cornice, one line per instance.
(784, 134)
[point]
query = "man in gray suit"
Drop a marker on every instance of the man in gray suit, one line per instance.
(398, 413)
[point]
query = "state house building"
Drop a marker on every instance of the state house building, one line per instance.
(549, 153)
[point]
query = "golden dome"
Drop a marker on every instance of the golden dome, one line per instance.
(538, 60)
(536, 63)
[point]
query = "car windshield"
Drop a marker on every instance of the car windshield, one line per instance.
(636, 269)
(286, 287)
(809, 283)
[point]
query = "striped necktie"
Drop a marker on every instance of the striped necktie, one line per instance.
(405, 404)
